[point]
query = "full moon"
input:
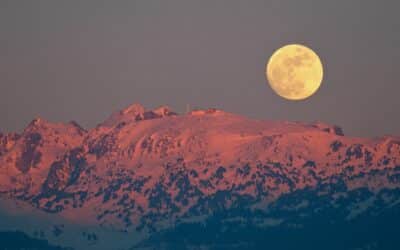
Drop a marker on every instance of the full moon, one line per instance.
(294, 72)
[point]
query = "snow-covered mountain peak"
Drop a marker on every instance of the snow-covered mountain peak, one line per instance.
(133, 109)
(128, 114)
(37, 123)
(134, 113)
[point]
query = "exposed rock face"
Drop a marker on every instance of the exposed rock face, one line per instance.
(7, 142)
(64, 172)
(142, 170)
(30, 156)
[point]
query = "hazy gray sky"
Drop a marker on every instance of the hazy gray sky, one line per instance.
(82, 60)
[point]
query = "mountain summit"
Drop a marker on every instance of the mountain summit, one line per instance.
(136, 112)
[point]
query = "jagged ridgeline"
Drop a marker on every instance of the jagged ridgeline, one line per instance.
(208, 178)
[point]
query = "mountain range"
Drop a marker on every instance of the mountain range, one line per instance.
(208, 179)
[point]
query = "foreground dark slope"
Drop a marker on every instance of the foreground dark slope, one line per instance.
(208, 178)
(290, 223)
(15, 240)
